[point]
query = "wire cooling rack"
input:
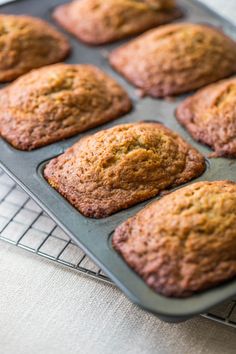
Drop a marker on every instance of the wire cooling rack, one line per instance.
(24, 224)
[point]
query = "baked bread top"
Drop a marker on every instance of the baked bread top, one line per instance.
(210, 116)
(186, 241)
(176, 58)
(58, 101)
(27, 43)
(98, 21)
(122, 166)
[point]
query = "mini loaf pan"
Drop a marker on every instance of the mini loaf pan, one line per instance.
(94, 236)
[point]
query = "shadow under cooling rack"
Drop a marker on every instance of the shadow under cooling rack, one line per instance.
(24, 224)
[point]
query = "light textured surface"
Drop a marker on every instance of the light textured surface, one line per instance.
(48, 309)
(226, 8)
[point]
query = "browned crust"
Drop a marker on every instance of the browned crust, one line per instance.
(114, 21)
(27, 43)
(58, 101)
(122, 166)
(186, 241)
(175, 59)
(210, 117)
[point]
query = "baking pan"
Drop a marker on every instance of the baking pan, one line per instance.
(94, 236)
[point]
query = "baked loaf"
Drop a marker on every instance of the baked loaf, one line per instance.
(186, 241)
(27, 43)
(122, 166)
(56, 102)
(210, 116)
(176, 58)
(98, 21)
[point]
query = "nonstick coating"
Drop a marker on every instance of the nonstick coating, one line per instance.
(94, 236)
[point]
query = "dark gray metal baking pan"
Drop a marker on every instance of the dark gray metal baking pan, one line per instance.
(94, 236)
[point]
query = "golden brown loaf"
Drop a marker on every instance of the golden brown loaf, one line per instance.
(177, 58)
(27, 43)
(99, 21)
(186, 241)
(56, 102)
(122, 166)
(210, 116)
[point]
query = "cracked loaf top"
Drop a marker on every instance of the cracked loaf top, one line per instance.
(176, 58)
(27, 43)
(122, 166)
(99, 21)
(186, 241)
(58, 101)
(210, 117)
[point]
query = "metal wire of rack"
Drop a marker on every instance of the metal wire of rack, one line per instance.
(24, 224)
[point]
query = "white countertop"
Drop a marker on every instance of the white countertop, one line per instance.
(226, 8)
(49, 309)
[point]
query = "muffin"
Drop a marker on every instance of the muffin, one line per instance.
(98, 21)
(56, 102)
(27, 43)
(210, 117)
(122, 166)
(174, 59)
(186, 241)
